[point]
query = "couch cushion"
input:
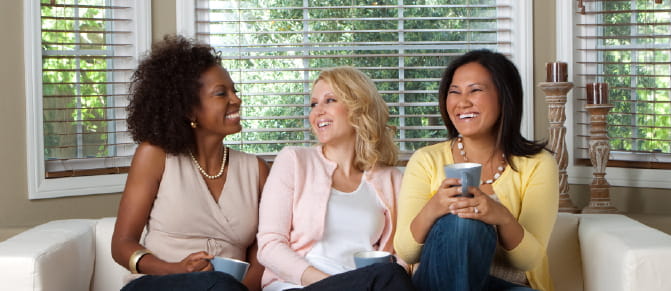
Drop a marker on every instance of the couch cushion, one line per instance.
(564, 253)
(57, 255)
(108, 275)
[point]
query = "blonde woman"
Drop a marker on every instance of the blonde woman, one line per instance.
(322, 204)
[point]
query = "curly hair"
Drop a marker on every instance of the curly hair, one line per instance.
(164, 90)
(508, 82)
(368, 114)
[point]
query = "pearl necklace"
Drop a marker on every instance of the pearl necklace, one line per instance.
(500, 169)
(202, 171)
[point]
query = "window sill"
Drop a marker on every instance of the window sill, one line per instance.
(622, 177)
(628, 164)
(76, 186)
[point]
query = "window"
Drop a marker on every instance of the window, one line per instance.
(624, 43)
(274, 49)
(80, 56)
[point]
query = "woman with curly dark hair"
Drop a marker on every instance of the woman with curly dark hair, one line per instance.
(196, 198)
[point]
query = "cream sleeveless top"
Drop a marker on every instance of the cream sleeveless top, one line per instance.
(185, 218)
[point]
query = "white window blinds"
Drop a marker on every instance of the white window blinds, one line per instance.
(627, 44)
(274, 49)
(88, 54)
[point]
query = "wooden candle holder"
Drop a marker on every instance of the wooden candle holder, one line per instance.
(555, 96)
(599, 151)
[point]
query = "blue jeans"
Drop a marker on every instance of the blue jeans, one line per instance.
(380, 276)
(200, 281)
(457, 255)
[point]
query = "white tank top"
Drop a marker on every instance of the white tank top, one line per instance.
(354, 222)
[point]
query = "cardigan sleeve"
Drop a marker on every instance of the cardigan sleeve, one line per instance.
(538, 211)
(415, 193)
(275, 220)
(390, 186)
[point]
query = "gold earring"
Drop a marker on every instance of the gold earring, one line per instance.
(194, 124)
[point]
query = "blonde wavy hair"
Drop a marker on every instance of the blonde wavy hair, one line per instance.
(368, 114)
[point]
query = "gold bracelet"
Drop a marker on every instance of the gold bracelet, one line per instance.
(135, 258)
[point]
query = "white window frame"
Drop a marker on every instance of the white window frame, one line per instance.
(523, 58)
(577, 174)
(38, 186)
(525, 62)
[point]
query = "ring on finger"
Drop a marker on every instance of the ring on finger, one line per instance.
(475, 210)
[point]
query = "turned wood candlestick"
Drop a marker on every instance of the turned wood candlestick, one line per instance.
(599, 151)
(555, 96)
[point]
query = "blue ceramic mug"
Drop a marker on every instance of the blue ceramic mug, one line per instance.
(233, 267)
(469, 173)
(365, 258)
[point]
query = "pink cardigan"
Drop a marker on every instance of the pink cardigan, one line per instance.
(293, 210)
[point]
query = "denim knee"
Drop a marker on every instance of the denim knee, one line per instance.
(462, 229)
(456, 255)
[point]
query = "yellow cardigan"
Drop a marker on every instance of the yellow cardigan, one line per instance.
(530, 194)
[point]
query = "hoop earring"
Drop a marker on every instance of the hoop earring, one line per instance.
(194, 124)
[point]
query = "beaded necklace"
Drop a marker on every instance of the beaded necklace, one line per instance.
(499, 170)
(202, 171)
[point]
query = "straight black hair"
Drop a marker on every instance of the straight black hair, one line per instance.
(507, 80)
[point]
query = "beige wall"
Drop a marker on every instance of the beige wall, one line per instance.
(17, 211)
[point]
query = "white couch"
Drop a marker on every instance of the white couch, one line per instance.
(587, 252)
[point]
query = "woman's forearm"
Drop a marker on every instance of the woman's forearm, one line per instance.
(312, 275)
(422, 223)
(510, 233)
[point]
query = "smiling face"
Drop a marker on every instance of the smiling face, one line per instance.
(472, 101)
(329, 116)
(219, 109)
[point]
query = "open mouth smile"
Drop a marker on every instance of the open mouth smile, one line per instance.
(467, 116)
(322, 124)
(233, 115)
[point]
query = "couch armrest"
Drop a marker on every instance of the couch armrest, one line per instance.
(619, 253)
(57, 255)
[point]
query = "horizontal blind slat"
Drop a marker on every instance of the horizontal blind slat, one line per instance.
(345, 7)
(83, 6)
(243, 21)
(85, 96)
